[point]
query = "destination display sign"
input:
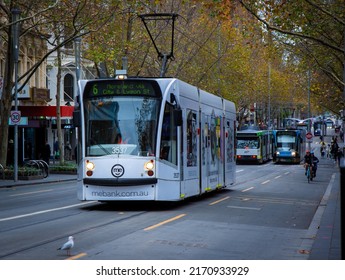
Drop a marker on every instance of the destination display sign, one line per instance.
(102, 88)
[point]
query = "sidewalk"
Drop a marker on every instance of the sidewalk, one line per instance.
(327, 241)
(52, 178)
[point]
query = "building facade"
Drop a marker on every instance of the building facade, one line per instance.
(37, 99)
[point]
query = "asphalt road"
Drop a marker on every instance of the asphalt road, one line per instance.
(266, 215)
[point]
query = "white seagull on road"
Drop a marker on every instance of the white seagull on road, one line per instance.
(68, 245)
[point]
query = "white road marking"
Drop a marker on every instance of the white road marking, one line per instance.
(42, 191)
(265, 182)
(248, 189)
(245, 208)
(47, 211)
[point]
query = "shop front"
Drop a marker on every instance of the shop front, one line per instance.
(38, 127)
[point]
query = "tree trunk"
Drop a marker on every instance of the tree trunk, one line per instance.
(58, 109)
(6, 98)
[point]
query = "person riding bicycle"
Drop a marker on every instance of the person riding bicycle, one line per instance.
(308, 160)
(315, 161)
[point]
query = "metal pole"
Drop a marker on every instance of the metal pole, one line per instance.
(15, 34)
(309, 126)
(77, 42)
(164, 65)
(269, 95)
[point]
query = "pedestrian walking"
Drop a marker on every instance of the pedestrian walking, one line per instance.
(46, 153)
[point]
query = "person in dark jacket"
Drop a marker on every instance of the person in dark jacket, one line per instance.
(315, 161)
(46, 153)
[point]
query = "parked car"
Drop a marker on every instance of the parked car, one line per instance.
(317, 132)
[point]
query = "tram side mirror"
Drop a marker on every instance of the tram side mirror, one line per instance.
(76, 118)
(178, 117)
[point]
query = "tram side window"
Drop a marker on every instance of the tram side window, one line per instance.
(169, 136)
(191, 138)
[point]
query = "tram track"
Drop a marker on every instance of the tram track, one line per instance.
(61, 237)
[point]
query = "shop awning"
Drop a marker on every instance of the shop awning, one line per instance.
(45, 111)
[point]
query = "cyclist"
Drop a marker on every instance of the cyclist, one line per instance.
(315, 161)
(308, 160)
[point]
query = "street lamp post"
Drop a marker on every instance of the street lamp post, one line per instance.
(77, 42)
(309, 114)
(15, 44)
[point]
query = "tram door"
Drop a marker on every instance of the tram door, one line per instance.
(204, 153)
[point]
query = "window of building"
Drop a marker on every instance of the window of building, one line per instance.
(68, 87)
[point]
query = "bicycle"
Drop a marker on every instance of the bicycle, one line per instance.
(309, 172)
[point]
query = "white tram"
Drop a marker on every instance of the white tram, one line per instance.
(157, 139)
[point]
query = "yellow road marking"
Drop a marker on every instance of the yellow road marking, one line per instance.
(77, 256)
(220, 200)
(165, 222)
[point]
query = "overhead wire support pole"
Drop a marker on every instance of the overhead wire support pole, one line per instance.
(15, 45)
(166, 17)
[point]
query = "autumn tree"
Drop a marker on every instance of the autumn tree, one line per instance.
(39, 18)
(313, 33)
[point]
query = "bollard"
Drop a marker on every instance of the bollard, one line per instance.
(342, 206)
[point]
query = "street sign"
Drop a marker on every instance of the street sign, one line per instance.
(309, 136)
(23, 121)
(15, 117)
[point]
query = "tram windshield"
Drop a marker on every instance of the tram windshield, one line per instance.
(248, 143)
(121, 125)
(286, 142)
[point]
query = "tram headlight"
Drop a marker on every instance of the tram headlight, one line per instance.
(293, 153)
(149, 166)
(90, 165)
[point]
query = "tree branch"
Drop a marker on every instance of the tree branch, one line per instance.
(295, 34)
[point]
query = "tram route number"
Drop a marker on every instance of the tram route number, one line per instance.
(219, 270)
